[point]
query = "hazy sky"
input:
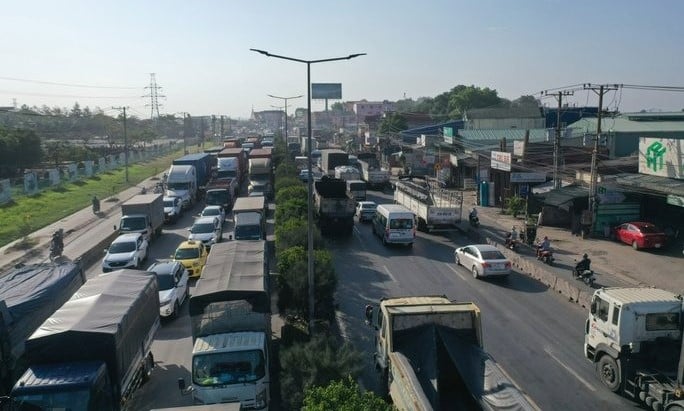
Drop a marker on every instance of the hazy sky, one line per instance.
(199, 51)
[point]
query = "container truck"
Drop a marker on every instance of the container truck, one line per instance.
(633, 336)
(232, 163)
(204, 165)
(95, 350)
(261, 153)
(249, 215)
(181, 182)
(28, 296)
(331, 158)
(430, 356)
(334, 206)
(261, 176)
(231, 327)
(221, 191)
(435, 211)
(373, 174)
(143, 213)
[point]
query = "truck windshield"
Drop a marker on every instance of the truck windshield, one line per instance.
(228, 368)
(178, 186)
(357, 186)
(226, 173)
(219, 197)
(73, 400)
(132, 224)
(122, 247)
(248, 232)
(169, 204)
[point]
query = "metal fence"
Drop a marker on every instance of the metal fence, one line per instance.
(40, 179)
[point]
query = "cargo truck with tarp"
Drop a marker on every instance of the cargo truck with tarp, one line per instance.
(95, 350)
(28, 296)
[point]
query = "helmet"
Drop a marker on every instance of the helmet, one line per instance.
(585, 255)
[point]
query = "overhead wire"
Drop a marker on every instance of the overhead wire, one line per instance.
(53, 83)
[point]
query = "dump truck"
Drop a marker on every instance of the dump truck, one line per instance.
(430, 356)
(633, 336)
(28, 296)
(334, 206)
(143, 213)
(435, 210)
(231, 327)
(372, 173)
(331, 158)
(95, 350)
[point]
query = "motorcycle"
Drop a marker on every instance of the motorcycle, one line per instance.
(545, 256)
(474, 221)
(96, 206)
(587, 276)
(57, 244)
(509, 243)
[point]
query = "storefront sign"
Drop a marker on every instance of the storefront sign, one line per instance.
(675, 200)
(661, 157)
(501, 160)
(528, 177)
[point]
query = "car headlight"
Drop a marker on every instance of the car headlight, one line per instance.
(165, 301)
(260, 400)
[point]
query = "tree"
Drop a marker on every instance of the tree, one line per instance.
(315, 363)
(337, 106)
(343, 395)
(294, 232)
(393, 123)
(465, 98)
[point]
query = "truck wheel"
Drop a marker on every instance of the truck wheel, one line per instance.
(608, 372)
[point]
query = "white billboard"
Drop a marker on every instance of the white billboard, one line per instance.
(501, 160)
(661, 157)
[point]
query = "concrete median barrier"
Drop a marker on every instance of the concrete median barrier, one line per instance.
(584, 299)
(567, 289)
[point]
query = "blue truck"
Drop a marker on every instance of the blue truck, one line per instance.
(204, 167)
(95, 350)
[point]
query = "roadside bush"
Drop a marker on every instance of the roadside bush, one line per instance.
(292, 233)
(285, 182)
(516, 205)
(343, 395)
(293, 284)
(315, 363)
(286, 169)
(289, 192)
(292, 208)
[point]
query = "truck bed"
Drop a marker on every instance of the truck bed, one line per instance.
(456, 374)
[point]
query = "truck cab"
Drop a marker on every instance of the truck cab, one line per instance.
(182, 182)
(249, 226)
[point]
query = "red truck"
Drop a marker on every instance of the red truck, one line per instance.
(232, 163)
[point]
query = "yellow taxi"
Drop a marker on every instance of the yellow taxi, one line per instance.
(193, 255)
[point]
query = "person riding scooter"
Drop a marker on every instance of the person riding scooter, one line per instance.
(473, 218)
(512, 238)
(57, 244)
(583, 265)
(545, 245)
(96, 204)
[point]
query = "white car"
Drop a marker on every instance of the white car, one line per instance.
(365, 210)
(127, 251)
(483, 260)
(172, 279)
(208, 230)
(214, 211)
(173, 208)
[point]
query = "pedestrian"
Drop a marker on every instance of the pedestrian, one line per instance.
(606, 230)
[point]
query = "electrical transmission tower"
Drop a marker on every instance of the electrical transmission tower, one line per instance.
(154, 96)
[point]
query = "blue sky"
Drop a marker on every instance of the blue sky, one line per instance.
(199, 51)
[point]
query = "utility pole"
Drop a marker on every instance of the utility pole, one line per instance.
(593, 188)
(221, 122)
(556, 143)
(125, 132)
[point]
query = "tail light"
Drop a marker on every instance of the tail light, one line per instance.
(508, 264)
(486, 264)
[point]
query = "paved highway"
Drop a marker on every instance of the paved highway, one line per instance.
(535, 335)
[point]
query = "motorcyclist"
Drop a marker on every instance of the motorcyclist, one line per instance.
(96, 204)
(58, 240)
(512, 237)
(583, 265)
(545, 245)
(472, 217)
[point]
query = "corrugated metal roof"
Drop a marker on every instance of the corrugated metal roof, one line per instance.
(640, 294)
(504, 112)
(645, 182)
(564, 195)
(511, 134)
(623, 124)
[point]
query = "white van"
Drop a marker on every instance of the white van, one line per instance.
(394, 224)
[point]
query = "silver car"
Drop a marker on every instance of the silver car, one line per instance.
(483, 260)
(365, 210)
(208, 230)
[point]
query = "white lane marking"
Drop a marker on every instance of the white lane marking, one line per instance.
(389, 273)
(570, 370)
(456, 272)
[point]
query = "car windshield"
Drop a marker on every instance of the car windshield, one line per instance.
(368, 206)
(401, 223)
(492, 255)
(235, 367)
(122, 247)
(186, 253)
(202, 228)
(165, 281)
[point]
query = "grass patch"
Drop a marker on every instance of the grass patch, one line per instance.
(27, 214)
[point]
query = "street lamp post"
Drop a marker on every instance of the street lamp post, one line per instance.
(310, 254)
(285, 98)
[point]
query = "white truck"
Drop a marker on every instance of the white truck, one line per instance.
(249, 217)
(182, 182)
(634, 338)
(231, 327)
(373, 174)
(143, 213)
(435, 211)
(429, 355)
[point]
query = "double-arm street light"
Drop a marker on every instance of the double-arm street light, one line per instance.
(310, 254)
(285, 98)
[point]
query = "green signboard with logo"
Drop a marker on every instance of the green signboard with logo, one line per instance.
(661, 157)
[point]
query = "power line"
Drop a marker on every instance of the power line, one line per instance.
(52, 83)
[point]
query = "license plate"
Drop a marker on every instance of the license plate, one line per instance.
(657, 246)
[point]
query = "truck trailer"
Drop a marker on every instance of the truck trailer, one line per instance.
(232, 163)
(429, 355)
(231, 327)
(334, 206)
(28, 296)
(95, 350)
(372, 173)
(435, 211)
(143, 213)
(331, 158)
(204, 165)
(249, 216)
(181, 182)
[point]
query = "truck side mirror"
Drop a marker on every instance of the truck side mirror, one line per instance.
(114, 227)
(105, 250)
(369, 314)
(230, 236)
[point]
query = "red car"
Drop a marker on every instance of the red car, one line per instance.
(640, 235)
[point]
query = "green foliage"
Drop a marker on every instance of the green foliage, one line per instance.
(18, 149)
(293, 233)
(315, 363)
(284, 182)
(294, 284)
(393, 123)
(343, 395)
(291, 203)
(515, 205)
(285, 169)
